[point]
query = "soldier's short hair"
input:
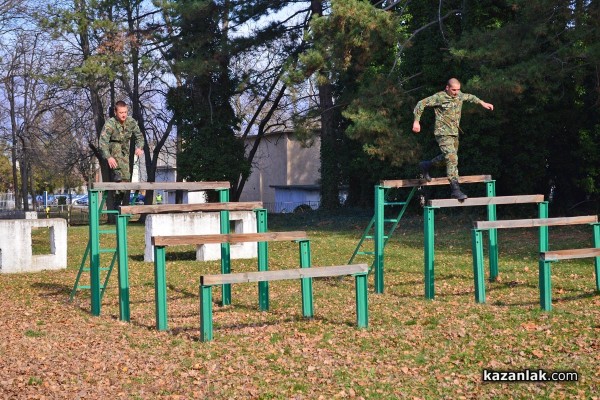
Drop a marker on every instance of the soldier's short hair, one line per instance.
(453, 81)
(120, 104)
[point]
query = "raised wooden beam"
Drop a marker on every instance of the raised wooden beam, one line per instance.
(434, 181)
(229, 238)
(183, 208)
(484, 201)
(569, 254)
(261, 276)
(189, 186)
(533, 222)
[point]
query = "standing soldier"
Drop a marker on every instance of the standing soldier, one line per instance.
(447, 105)
(114, 146)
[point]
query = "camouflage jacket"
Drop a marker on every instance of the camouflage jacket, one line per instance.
(114, 138)
(447, 111)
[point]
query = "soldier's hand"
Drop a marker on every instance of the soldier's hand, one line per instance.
(112, 163)
(487, 106)
(416, 127)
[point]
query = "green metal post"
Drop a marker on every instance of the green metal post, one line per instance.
(122, 260)
(379, 239)
(206, 325)
(94, 213)
(362, 305)
(160, 288)
(225, 248)
(306, 283)
(544, 266)
(429, 245)
(493, 233)
(478, 270)
(596, 228)
(263, 259)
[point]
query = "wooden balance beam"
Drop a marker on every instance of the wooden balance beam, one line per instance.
(402, 183)
(484, 201)
(184, 208)
(359, 271)
(189, 186)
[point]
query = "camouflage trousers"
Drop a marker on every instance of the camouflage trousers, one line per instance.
(449, 157)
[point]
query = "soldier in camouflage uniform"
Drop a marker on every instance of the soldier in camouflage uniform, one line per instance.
(114, 146)
(447, 105)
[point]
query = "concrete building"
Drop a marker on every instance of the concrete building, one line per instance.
(285, 173)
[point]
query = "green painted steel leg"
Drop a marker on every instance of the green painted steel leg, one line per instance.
(160, 288)
(429, 229)
(206, 320)
(362, 305)
(544, 266)
(94, 251)
(225, 248)
(478, 270)
(596, 228)
(493, 233)
(122, 259)
(263, 259)
(306, 283)
(545, 286)
(379, 239)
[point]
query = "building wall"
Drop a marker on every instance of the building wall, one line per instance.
(280, 160)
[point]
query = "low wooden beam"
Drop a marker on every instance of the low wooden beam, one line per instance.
(188, 186)
(434, 181)
(569, 254)
(484, 201)
(229, 238)
(533, 222)
(261, 276)
(184, 208)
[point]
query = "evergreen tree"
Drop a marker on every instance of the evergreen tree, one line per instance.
(205, 119)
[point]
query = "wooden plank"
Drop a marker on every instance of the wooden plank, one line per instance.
(569, 254)
(261, 276)
(230, 238)
(529, 223)
(189, 186)
(434, 181)
(484, 201)
(182, 208)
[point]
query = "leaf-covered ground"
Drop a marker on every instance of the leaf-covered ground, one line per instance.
(414, 348)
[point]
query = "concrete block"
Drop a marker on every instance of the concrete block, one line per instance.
(16, 253)
(202, 223)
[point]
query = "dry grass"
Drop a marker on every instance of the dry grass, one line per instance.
(414, 348)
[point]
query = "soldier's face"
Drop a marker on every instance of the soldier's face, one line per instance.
(121, 114)
(452, 90)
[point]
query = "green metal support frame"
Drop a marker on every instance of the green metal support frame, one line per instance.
(263, 259)
(379, 236)
(124, 310)
(160, 288)
(493, 233)
(306, 283)
(544, 267)
(225, 247)
(429, 247)
(362, 303)
(596, 228)
(206, 314)
(94, 251)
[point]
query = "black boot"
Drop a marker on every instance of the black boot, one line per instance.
(456, 193)
(425, 166)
